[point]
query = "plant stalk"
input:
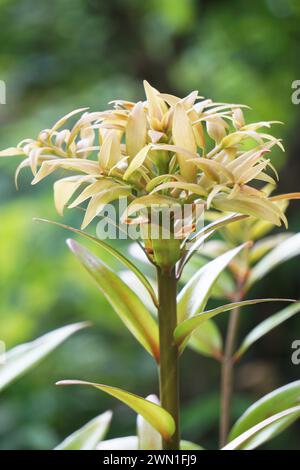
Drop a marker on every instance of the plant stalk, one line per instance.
(169, 355)
(227, 376)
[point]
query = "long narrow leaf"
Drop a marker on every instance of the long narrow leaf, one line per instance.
(283, 252)
(207, 340)
(21, 358)
(89, 436)
(186, 328)
(193, 297)
(266, 326)
(275, 402)
(242, 441)
(154, 414)
(197, 241)
(126, 303)
(112, 251)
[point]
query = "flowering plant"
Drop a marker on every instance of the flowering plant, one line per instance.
(161, 153)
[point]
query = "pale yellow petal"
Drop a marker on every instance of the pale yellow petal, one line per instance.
(136, 130)
(64, 190)
(137, 162)
(110, 151)
(92, 190)
(190, 187)
(99, 201)
(11, 152)
(153, 100)
(183, 136)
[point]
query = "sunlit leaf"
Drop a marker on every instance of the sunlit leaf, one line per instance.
(133, 282)
(21, 358)
(283, 252)
(113, 252)
(273, 403)
(126, 303)
(194, 295)
(195, 243)
(266, 326)
(186, 328)
(188, 445)
(154, 414)
(89, 436)
(207, 340)
(261, 247)
(252, 438)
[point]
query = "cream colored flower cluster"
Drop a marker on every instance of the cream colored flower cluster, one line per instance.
(163, 150)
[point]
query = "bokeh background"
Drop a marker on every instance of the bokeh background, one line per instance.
(65, 54)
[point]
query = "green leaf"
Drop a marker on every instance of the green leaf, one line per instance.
(154, 414)
(186, 328)
(148, 437)
(126, 303)
(131, 280)
(89, 436)
(267, 325)
(275, 402)
(247, 440)
(194, 295)
(188, 445)
(112, 251)
(207, 340)
(21, 358)
(196, 242)
(262, 247)
(283, 252)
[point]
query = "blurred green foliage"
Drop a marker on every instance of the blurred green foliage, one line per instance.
(59, 55)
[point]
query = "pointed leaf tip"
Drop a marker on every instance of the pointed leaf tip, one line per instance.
(154, 414)
(23, 357)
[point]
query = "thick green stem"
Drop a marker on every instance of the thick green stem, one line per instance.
(168, 373)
